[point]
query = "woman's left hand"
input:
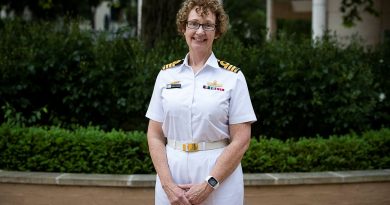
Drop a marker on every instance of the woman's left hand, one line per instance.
(196, 193)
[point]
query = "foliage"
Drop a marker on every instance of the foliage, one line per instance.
(247, 19)
(91, 150)
(158, 21)
(336, 153)
(61, 75)
(52, 9)
(352, 10)
(75, 76)
(298, 88)
(379, 59)
(297, 28)
(83, 150)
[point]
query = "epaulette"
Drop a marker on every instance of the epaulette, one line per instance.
(228, 66)
(173, 64)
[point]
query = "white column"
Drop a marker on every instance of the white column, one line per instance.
(102, 11)
(269, 19)
(139, 18)
(318, 18)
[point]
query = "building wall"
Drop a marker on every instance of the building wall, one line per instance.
(369, 29)
(284, 9)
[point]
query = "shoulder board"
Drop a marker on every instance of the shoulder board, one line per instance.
(228, 66)
(173, 64)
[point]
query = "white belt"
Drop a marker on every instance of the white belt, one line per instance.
(197, 146)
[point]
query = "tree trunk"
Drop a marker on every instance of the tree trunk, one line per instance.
(159, 20)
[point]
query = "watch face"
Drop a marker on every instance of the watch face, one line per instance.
(213, 182)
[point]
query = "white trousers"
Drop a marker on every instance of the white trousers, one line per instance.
(193, 168)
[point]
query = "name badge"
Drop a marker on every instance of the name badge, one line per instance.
(171, 86)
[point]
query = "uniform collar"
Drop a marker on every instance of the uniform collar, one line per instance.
(212, 61)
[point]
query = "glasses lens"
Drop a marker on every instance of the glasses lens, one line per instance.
(196, 25)
(208, 27)
(193, 25)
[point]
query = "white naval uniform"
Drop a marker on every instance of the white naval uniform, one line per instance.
(199, 108)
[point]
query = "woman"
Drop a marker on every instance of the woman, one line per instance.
(200, 117)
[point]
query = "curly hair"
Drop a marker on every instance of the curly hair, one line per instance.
(213, 6)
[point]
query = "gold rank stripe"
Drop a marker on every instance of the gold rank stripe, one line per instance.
(228, 66)
(173, 64)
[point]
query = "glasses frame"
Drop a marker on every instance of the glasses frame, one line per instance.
(201, 24)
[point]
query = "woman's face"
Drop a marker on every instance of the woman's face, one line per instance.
(200, 40)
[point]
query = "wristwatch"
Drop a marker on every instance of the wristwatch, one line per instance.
(213, 182)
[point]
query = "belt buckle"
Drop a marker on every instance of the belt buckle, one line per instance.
(190, 147)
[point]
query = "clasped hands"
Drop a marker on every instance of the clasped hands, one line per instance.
(188, 194)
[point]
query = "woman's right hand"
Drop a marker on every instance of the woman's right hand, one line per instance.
(176, 195)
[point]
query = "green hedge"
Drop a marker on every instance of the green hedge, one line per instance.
(60, 75)
(90, 150)
(63, 76)
(348, 152)
(84, 150)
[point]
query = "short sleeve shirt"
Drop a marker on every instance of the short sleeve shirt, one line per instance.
(200, 107)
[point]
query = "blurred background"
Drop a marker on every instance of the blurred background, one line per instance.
(313, 67)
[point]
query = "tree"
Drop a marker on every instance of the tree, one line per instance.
(54, 9)
(51, 9)
(159, 20)
(247, 19)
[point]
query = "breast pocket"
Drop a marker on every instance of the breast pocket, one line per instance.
(214, 101)
(175, 100)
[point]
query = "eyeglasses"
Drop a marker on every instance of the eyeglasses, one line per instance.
(195, 25)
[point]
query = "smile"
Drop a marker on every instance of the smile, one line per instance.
(199, 39)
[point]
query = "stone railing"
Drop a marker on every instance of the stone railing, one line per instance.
(319, 188)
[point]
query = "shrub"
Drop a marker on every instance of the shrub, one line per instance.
(347, 152)
(63, 76)
(84, 150)
(379, 60)
(301, 89)
(91, 150)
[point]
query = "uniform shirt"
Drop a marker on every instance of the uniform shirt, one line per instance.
(199, 107)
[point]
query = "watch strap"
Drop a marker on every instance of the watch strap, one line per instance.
(213, 182)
